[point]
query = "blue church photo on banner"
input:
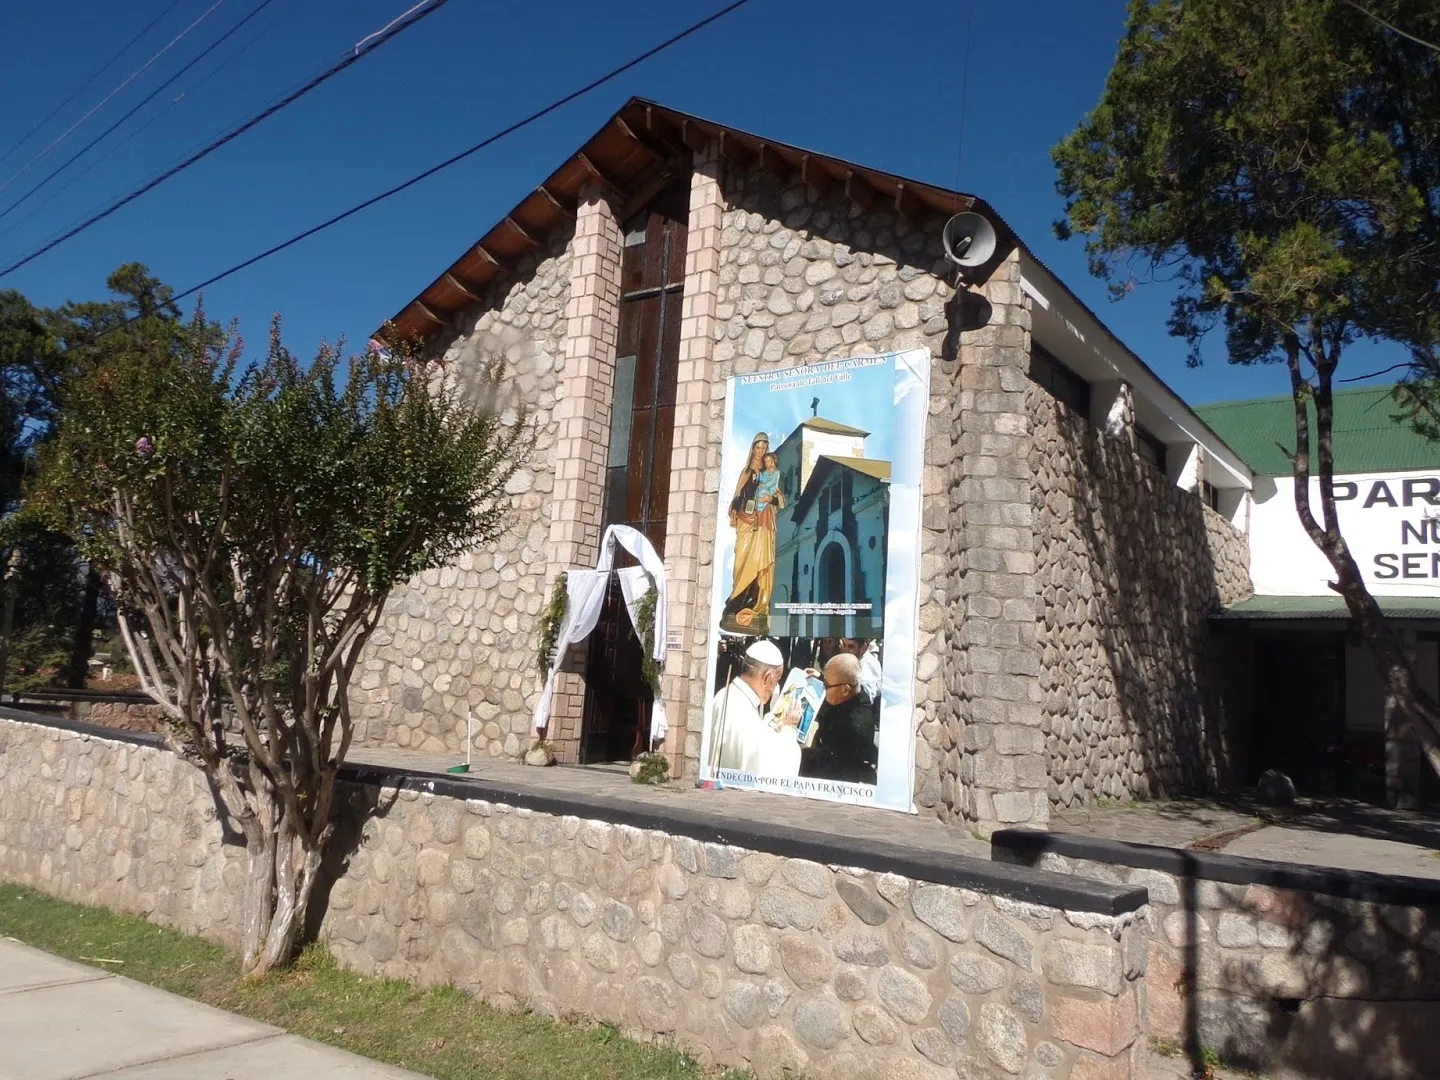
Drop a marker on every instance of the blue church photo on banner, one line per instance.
(814, 601)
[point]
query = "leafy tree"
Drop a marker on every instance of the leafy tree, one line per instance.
(29, 373)
(59, 600)
(251, 522)
(48, 602)
(1280, 162)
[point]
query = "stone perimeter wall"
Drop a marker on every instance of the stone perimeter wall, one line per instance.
(743, 958)
(464, 635)
(1318, 986)
(1129, 569)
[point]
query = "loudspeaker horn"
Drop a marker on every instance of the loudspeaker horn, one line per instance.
(969, 240)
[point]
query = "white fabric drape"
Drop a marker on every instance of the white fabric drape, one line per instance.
(585, 590)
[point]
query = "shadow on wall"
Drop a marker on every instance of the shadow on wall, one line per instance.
(1300, 973)
(1128, 575)
(356, 805)
(1298, 984)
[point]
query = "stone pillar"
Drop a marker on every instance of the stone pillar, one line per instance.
(690, 497)
(1003, 774)
(582, 410)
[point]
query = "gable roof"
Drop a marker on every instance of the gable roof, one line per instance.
(639, 150)
(832, 427)
(1368, 436)
(635, 154)
(877, 470)
(827, 463)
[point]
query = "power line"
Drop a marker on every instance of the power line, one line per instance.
(234, 133)
(457, 158)
(964, 92)
(136, 108)
(1392, 27)
(93, 76)
(159, 114)
(106, 99)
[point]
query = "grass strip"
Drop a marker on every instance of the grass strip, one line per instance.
(442, 1031)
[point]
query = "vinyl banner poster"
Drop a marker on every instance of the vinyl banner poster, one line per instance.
(814, 611)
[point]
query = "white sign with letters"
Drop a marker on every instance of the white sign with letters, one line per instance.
(1390, 520)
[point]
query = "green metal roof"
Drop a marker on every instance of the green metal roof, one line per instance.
(1368, 435)
(1260, 608)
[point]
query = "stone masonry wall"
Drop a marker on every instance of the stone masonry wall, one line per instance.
(1273, 978)
(743, 958)
(805, 278)
(1129, 568)
(463, 635)
(995, 728)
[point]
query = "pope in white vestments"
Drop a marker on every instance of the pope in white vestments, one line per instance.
(743, 734)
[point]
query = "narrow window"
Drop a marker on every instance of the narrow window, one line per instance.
(1149, 448)
(1062, 383)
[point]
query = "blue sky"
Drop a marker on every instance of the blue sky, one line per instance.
(880, 85)
(863, 401)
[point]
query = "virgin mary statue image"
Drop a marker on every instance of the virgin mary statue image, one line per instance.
(753, 509)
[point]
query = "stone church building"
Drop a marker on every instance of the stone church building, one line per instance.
(840, 501)
(1080, 523)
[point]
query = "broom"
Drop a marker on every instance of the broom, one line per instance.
(469, 738)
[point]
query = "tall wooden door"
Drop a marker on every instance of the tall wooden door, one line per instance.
(637, 478)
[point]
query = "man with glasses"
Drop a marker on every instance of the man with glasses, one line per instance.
(844, 746)
(745, 737)
(870, 673)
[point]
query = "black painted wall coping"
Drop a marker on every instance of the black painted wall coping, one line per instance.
(99, 731)
(1016, 882)
(1023, 848)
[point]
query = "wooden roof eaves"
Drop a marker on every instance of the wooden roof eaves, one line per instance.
(639, 122)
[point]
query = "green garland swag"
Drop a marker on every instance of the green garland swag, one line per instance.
(645, 628)
(554, 615)
(550, 620)
(653, 769)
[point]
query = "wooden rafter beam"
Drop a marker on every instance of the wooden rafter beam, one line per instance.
(694, 136)
(642, 142)
(430, 314)
(595, 173)
(626, 129)
(549, 196)
(814, 173)
(773, 163)
(643, 190)
(732, 149)
(664, 132)
(907, 203)
(522, 232)
(457, 284)
(480, 250)
(858, 191)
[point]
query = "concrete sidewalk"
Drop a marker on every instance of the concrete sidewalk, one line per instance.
(64, 1021)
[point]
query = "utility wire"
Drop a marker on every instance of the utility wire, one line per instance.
(1392, 27)
(106, 99)
(86, 84)
(234, 133)
(159, 114)
(457, 158)
(964, 91)
(140, 105)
